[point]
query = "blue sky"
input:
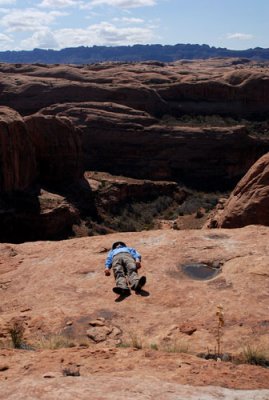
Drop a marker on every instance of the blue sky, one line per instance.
(55, 24)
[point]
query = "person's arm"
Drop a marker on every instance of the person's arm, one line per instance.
(137, 257)
(108, 264)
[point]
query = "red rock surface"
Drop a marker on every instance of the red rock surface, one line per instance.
(125, 112)
(216, 86)
(17, 171)
(249, 202)
(58, 289)
(134, 144)
(58, 149)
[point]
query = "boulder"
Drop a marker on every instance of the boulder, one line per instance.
(248, 204)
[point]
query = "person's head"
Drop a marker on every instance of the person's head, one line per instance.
(118, 244)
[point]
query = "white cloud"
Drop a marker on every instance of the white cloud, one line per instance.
(27, 19)
(99, 34)
(7, 2)
(5, 42)
(44, 39)
(240, 36)
(124, 3)
(129, 20)
(59, 3)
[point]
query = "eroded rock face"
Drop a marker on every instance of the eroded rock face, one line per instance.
(207, 87)
(58, 149)
(41, 150)
(17, 153)
(249, 202)
(118, 106)
(132, 143)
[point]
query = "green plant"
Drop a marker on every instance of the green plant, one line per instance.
(123, 345)
(154, 346)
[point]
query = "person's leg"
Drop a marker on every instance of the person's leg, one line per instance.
(131, 271)
(119, 271)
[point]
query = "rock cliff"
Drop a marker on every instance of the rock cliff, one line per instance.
(134, 144)
(36, 152)
(58, 149)
(192, 123)
(17, 153)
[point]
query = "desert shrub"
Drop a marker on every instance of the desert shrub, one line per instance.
(137, 216)
(176, 346)
(71, 371)
(16, 331)
(255, 355)
(198, 200)
(133, 340)
(54, 341)
(136, 341)
(154, 346)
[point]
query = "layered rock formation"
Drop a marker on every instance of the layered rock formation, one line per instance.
(205, 87)
(123, 119)
(38, 151)
(58, 149)
(117, 107)
(17, 153)
(134, 144)
(249, 201)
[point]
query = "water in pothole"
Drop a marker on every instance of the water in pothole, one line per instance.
(201, 271)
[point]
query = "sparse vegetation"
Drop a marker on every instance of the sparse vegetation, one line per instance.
(256, 128)
(154, 346)
(138, 216)
(176, 346)
(220, 317)
(136, 341)
(255, 355)
(53, 342)
(16, 330)
(71, 371)
(123, 345)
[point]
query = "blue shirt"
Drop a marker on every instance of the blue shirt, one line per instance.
(122, 249)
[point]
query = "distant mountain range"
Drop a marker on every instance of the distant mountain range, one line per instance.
(151, 52)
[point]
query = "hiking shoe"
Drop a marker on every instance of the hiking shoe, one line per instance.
(121, 291)
(142, 281)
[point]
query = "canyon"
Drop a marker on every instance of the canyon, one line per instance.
(169, 158)
(199, 124)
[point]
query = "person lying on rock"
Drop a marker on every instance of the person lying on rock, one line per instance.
(125, 261)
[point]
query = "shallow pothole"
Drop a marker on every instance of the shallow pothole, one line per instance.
(202, 271)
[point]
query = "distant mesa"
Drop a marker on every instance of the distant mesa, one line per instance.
(136, 53)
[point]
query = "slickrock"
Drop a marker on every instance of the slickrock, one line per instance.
(149, 343)
(216, 86)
